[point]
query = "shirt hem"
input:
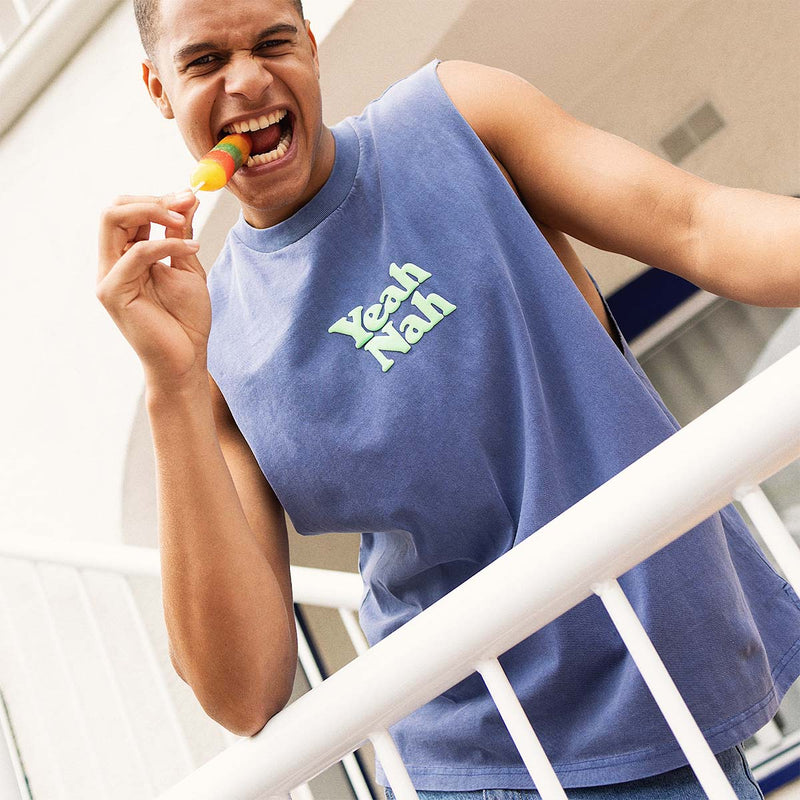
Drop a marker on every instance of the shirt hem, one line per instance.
(633, 765)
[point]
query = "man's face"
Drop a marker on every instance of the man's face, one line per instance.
(219, 65)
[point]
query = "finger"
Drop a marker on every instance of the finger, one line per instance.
(181, 201)
(142, 235)
(122, 224)
(128, 199)
(188, 261)
(136, 262)
(182, 197)
(189, 214)
(185, 231)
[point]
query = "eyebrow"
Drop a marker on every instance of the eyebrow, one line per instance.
(192, 49)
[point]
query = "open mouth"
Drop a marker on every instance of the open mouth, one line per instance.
(271, 136)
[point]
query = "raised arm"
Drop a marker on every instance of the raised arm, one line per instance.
(222, 536)
(608, 192)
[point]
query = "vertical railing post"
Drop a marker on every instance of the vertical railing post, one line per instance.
(314, 676)
(665, 693)
(385, 748)
(531, 750)
(357, 638)
(93, 756)
(775, 534)
(134, 753)
(393, 766)
(182, 753)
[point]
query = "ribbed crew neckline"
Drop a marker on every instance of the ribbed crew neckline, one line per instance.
(321, 205)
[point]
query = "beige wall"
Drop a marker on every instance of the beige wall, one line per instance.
(638, 68)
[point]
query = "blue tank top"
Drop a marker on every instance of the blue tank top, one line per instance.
(409, 361)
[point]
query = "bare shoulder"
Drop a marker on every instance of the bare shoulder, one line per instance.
(578, 179)
(489, 98)
(470, 80)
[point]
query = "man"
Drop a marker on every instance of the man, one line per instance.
(352, 439)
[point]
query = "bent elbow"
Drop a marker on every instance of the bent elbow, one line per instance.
(249, 724)
(250, 719)
(175, 665)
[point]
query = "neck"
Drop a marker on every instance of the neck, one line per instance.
(266, 215)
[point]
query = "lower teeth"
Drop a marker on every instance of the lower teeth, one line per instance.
(272, 155)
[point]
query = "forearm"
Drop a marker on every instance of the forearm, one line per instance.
(230, 629)
(748, 246)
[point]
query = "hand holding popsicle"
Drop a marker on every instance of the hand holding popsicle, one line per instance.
(217, 166)
(163, 309)
(155, 289)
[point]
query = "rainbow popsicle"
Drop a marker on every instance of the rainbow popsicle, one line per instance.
(217, 166)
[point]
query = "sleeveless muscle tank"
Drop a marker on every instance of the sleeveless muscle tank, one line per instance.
(409, 361)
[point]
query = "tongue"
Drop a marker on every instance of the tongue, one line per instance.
(266, 139)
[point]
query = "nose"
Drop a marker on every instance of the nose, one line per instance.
(248, 77)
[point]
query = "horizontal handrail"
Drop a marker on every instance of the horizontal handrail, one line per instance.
(738, 443)
(33, 60)
(311, 586)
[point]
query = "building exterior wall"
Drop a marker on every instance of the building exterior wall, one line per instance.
(72, 384)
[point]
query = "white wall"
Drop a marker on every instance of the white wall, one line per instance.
(71, 382)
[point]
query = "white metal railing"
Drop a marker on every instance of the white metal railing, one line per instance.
(722, 455)
(337, 590)
(15, 16)
(12, 778)
(37, 37)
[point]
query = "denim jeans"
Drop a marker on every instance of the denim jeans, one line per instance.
(678, 784)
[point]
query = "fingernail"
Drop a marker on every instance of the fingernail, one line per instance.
(174, 215)
(184, 196)
(192, 244)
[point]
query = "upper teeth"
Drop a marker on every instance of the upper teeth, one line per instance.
(256, 123)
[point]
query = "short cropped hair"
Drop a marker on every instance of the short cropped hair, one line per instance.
(147, 18)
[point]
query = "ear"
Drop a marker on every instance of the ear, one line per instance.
(156, 89)
(314, 51)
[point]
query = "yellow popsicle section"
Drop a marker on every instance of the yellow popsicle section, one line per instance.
(217, 166)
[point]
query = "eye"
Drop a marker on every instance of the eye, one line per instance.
(272, 44)
(204, 61)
